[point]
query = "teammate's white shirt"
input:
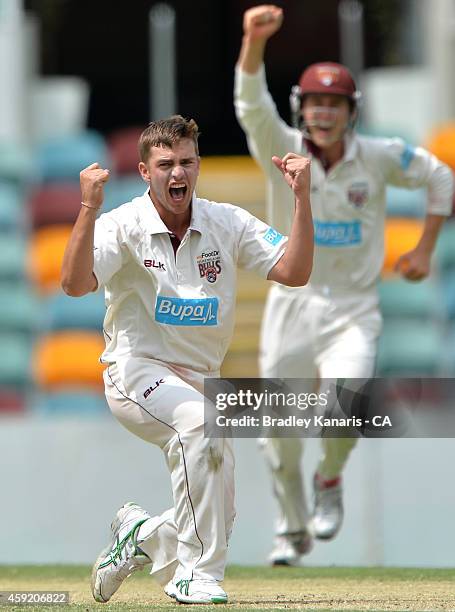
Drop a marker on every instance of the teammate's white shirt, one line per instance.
(177, 309)
(348, 202)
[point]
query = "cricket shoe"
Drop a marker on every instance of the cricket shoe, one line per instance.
(122, 556)
(196, 591)
(289, 547)
(328, 508)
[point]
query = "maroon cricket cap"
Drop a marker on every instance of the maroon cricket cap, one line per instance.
(328, 77)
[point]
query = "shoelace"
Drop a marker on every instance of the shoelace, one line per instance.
(127, 546)
(183, 586)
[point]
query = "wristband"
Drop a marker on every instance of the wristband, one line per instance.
(92, 207)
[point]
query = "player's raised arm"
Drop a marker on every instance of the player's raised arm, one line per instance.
(77, 277)
(259, 24)
(294, 268)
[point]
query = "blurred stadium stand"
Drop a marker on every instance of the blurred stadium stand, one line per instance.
(54, 204)
(15, 162)
(62, 158)
(59, 106)
(441, 142)
(401, 235)
(73, 403)
(122, 189)
(123, 148)
(11, 198)
(45, 255)
(68, 358)
(63, 312)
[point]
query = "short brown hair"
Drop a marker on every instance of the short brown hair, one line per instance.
(166, 133)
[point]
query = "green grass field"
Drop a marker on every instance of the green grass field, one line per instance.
(253, 588)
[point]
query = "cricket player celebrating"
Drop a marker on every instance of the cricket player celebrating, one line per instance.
(328, 329)
(167, 262)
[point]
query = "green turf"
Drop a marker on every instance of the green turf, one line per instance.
(74, 572)
(254, 589)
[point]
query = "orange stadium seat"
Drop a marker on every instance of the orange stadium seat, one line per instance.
(54, 203)
(68, 359)
(442, 143)
(46, 249)
(401, 235)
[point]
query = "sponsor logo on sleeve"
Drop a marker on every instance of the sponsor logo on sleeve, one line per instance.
(407, 156)
(209, 265)
(272, 236)
(337, 234)
(186, 311)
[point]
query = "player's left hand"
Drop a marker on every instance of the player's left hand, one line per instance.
(414, 265)
(296, 172)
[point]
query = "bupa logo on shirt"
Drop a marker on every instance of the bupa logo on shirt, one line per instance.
(272, 236)
(186, 311)
(337, 234)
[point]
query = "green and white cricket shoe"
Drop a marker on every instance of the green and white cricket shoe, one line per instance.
(196, 591)
(122, 556)
(170, 589)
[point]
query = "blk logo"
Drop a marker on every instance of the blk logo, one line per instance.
(152, 263)
(153, 387)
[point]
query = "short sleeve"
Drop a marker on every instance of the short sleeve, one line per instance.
(108, 249)
(259, 245)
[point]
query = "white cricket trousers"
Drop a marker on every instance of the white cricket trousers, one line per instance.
(316, 334)
(164, 405)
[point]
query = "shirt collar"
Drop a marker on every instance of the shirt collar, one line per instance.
(196, 215)
(154, 222)
(350, 147)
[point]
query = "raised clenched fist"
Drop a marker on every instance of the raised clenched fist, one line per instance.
(261, 22)
(296, 170)
(92, 181)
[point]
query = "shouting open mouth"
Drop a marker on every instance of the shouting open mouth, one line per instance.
(178, 191)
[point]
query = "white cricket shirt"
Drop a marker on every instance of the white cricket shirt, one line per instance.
(348, 203)
(176, 308)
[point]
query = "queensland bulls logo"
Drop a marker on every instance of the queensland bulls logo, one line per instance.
(358, 194)
(209, 265)
(327, 75)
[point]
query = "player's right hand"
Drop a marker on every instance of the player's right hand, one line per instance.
(92, 181)
(261, 22)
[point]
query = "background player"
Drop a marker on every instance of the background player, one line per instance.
(167, 327)
(329, 328)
